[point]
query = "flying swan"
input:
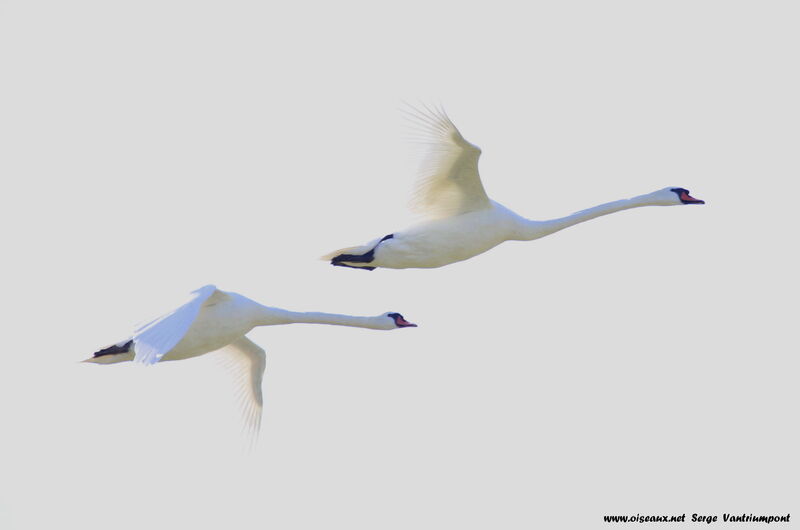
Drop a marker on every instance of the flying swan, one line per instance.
(217, 320)
(461, 220)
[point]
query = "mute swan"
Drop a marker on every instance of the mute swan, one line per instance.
(462, 221)
(217, 320)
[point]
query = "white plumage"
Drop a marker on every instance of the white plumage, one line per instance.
(213, 320)
(461, 220)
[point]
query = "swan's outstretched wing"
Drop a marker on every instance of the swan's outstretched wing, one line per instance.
(449, 183)
(154, 339)
(246, 360)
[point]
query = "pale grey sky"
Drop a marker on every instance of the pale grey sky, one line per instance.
(643, 362)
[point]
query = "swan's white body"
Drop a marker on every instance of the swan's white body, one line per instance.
(462, 221)
(214, 320)
(443, 241)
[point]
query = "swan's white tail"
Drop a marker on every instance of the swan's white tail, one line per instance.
(110, 359)
(362, 249)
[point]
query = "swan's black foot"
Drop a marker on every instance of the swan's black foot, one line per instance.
(354, 258)
(339, 260)
(115, 349)
(366, 257)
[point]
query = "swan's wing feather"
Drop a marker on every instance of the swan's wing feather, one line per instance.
(449, 183)
(154, 339)
(247, 361)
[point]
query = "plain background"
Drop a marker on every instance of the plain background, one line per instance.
(644, 362)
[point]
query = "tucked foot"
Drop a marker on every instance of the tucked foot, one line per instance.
(342, 260)
(354, 258)
(115, 349)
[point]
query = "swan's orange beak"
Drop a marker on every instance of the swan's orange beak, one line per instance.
(688, 199)
(403, 323)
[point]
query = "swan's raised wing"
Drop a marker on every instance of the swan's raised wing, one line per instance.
(449, 182)
(246, 360)
(154, 339)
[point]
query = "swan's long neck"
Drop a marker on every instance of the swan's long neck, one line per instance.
(530, 229)
(272, 316)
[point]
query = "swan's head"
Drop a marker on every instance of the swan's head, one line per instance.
(396, 320)
(672, 196)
